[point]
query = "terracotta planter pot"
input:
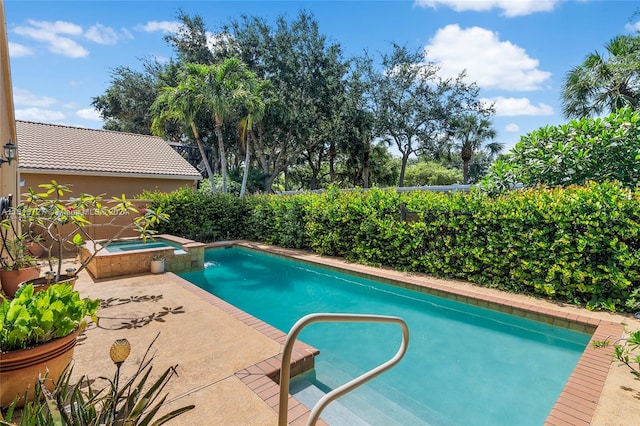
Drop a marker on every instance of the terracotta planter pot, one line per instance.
(11, 280)
(41, 283)
(20, 369)
(35, 249)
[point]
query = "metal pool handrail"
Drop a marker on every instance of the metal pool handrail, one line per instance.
(285, 371)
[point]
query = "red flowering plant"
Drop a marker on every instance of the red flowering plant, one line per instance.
(61, 223)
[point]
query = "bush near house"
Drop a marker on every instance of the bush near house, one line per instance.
(579, 244)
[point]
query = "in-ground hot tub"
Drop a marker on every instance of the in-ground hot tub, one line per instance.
(133, 256)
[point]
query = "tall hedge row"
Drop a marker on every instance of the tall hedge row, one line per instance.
(202, 217)
(579, 244)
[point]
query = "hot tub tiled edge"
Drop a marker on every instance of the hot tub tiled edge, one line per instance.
(109, 265)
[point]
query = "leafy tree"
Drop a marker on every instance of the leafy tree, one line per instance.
(125, 104)
(604, 83)
(357, 124)
(412, 105)
(470, 132)
(191, 42)
(589, 149)
(306, 72)
(430, 173)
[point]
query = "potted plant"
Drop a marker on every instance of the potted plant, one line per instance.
(64, 225)
(157, 263)
(38, 333)
(16, 263)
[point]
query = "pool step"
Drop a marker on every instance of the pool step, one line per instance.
(374, 403)
(363, 406)
(335, 414)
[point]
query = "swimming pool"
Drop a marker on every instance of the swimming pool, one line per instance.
(465, 364)
(138, 244)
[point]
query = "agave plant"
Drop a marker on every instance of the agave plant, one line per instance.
(136, 403)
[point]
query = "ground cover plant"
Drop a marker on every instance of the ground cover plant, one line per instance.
(578, 244)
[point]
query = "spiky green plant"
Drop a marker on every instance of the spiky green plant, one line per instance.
(135, 403)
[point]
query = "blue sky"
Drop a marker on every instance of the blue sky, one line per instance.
(518, 51)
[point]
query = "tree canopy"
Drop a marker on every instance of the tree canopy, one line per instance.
(604, 83)
(589, 149)
(284, 104)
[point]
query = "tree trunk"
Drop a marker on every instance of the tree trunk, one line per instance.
(466, 155)
(332, 157)
(223, 157)
(247, 159)
(403, 167)
(203, 154)
(465, 172)
(268, 182)
(365, 163)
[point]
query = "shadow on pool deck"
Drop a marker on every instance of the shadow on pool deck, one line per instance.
(217, 352)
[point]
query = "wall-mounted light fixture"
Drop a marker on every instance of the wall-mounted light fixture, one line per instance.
(9, 151)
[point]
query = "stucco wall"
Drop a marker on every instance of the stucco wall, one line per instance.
(8, 181)
(111, 186)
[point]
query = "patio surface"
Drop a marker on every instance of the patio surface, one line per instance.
(223, 354)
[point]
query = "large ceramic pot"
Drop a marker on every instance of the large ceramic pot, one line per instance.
(11, 280)
(19, 370)
(34, 249)
(42, 283)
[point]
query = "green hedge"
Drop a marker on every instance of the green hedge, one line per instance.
(579, 244)
(202, 217)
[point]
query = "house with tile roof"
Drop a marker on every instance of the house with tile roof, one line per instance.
(99, 161)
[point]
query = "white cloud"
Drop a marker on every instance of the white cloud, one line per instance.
(89, 114)
(57, 27)
(23, 97)
(67, 47)
(161, 59)
(48, 33)
(491, 63)
(512, 128)
(164, 26)
(39, 115)
(509, 8)
(17, 50)
(511, 107)
(102, 35)
(633, 27)
(58, 36)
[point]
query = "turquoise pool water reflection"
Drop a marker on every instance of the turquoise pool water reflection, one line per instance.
(465, 365)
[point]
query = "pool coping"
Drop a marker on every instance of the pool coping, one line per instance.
(575, 405)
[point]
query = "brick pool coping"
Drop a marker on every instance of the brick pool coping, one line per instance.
(575, 405)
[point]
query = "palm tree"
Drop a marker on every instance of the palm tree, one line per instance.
(183, 104)
(470, 132)
(224, 91)
(254, 109)
(604, 84)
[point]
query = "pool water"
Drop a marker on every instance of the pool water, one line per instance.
(129, 245)
(465, 365)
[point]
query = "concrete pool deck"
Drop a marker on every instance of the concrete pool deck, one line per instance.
(225, 356)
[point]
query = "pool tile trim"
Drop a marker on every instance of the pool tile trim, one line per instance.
(575, 405)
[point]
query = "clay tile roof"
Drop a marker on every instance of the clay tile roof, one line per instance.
(52, 147)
